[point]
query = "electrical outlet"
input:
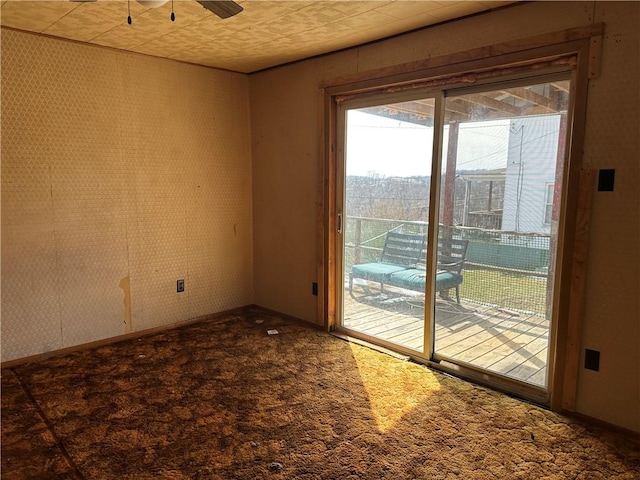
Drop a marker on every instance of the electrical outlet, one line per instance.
(180, 286)
(606, 179)
(592, 360)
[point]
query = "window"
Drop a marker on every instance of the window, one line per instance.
(548, 204)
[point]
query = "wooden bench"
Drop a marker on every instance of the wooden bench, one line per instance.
(402, 264)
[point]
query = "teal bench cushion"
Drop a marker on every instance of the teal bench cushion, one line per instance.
(411, 278)
(445, 280)
(414, 279)
(376, 271)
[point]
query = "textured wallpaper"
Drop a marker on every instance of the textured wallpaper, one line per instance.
(121, 174)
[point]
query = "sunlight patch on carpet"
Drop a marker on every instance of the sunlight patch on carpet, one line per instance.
(394, 388)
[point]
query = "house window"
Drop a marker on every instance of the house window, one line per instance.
(548, 203)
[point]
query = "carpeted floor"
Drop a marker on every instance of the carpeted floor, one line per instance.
(224, 400)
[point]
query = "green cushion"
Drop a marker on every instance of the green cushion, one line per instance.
(411, 278)
(414, 279)
(379, 272)
(446, 280)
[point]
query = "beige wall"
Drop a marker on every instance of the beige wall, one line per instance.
(286, 118)
(120, 175)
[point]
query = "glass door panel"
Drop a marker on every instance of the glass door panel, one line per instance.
(387, 170)
(500, 197)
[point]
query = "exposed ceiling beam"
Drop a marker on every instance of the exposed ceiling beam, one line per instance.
(538, 100)
(456, 106)
(420, 108)
(562, 86)
(496, 105)
(488, 102)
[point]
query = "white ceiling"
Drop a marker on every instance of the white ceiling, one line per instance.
(267, 33)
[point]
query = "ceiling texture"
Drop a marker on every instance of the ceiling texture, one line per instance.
(266, 34)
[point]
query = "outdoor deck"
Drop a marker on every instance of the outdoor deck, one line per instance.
(502, 341)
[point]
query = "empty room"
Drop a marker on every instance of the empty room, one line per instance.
(320, 239)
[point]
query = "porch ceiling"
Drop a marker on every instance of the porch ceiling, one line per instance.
(516, 102)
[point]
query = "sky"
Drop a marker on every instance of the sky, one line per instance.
(390, 148)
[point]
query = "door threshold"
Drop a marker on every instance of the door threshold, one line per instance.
(373, 346)
(511, 387)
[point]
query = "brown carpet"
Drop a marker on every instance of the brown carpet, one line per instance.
(221, 399)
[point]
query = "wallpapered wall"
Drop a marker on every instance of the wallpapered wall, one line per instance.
(288, 100)
(120, 175)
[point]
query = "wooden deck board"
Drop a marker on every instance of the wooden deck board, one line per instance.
(508, 343)
(539, 378)
(498, 347)
(504, 335)
(458, 341)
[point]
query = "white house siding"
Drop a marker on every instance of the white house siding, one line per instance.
(531, 165)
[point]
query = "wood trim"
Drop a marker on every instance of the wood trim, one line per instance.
(631, 434)
(459, 74)
(321, 217)
(477, 59)
(578, 259)
(329, 202)
(284, 316)
(572, 249)
(595, 55)
(119, 338)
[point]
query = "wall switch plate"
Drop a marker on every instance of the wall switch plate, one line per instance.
(180, 286)
(606, 179)
(592, 360)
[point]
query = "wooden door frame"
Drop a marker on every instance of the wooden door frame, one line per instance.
(579, 46)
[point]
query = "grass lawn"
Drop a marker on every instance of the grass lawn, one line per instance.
(509, 290)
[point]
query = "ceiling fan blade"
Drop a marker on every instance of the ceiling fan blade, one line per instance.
(222, 8)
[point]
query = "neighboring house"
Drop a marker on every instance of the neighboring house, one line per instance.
(530, 174)
(518, 197)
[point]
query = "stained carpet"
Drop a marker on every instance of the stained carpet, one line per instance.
(222, 399)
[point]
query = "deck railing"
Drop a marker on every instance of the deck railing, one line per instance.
(503, 268)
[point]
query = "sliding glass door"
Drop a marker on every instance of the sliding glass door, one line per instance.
(449, 206)
(500, 194)
(387, 167)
